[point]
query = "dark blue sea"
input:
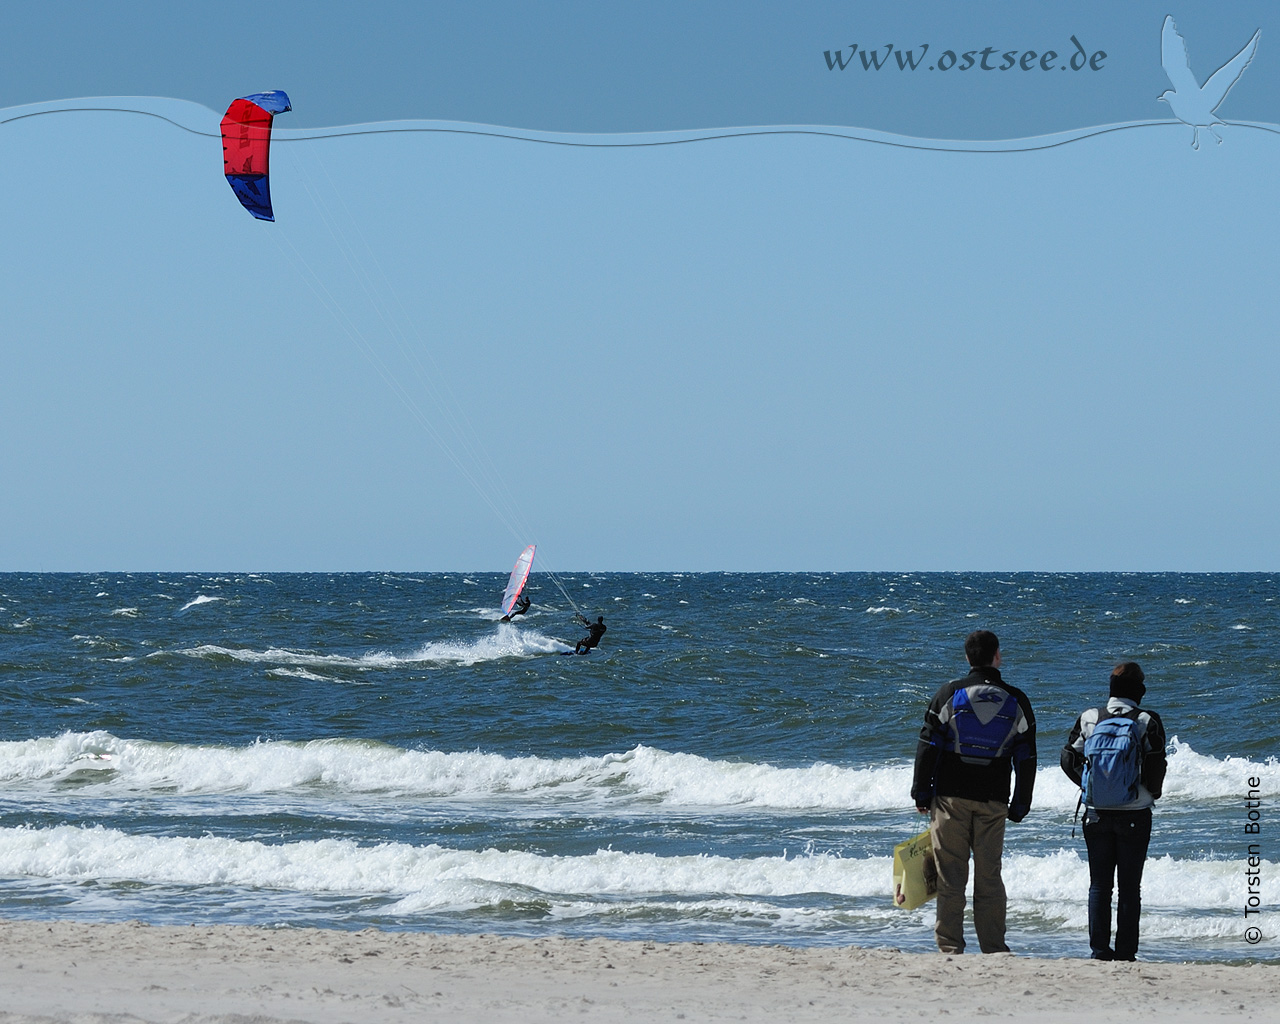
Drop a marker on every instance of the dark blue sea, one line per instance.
(732, 763)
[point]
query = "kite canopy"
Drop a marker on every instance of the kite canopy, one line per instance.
(246, 140)
(519, 577)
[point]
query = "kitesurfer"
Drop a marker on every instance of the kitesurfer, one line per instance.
(521, 606)
(595, 631)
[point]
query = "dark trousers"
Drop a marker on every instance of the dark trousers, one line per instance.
(1117, 843)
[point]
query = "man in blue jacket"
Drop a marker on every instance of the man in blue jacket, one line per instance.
(977, 731)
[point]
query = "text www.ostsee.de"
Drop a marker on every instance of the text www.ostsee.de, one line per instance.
(989, 58)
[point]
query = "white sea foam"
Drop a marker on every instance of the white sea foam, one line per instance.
(202, 599)
(127, 613)
(883, 609)
(432, 878)
(436, 877)
(300, 673)
(643, 776)
(282, 656)
(507, 641)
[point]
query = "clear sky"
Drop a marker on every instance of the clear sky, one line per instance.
(769, 352)
(619, 65)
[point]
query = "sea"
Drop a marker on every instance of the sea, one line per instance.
(732, 763)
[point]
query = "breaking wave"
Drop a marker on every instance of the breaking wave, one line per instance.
(641, 775)
(1182, 898)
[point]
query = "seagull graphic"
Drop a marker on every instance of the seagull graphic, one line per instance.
(1191, 102)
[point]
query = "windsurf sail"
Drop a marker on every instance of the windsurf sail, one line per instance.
(519, 577)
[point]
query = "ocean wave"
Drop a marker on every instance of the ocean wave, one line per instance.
(301, 673)
(433, 878)
(201, 599)
(506, 642)
(641, 776)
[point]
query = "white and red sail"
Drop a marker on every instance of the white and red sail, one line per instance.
(519, 577)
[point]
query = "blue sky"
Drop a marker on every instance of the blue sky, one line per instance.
(783, 352)
(616, 65)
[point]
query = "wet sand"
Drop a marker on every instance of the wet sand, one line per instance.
(132, 972)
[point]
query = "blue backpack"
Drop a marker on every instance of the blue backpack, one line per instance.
(1112, 762)
(983, 722)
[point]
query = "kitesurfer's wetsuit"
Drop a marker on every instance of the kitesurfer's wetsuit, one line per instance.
(596, 631)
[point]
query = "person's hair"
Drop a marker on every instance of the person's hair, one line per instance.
(980, 647)
(1127, 681)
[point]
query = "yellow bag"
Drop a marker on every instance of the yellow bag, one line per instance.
(915, 877)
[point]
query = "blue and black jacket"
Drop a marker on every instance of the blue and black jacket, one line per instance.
(977, 732)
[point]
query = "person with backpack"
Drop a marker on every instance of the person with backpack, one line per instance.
(977, 731)
(1116, 755)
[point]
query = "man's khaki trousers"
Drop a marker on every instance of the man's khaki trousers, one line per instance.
(961, 826)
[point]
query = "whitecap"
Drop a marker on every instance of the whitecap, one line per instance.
(507, 641)
(300, 673)
(202, 599)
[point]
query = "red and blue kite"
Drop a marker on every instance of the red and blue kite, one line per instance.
(246, 140)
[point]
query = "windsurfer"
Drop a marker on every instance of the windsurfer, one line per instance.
(521, 606)
(514, 601)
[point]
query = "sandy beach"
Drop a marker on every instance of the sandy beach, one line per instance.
(127, 972)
